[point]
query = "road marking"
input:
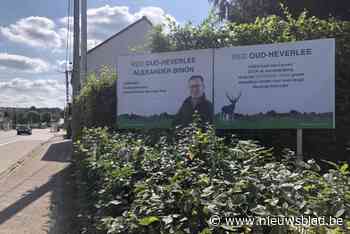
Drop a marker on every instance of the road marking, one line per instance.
(7, 143)
(2, 137)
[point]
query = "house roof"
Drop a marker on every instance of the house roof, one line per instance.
(121, 31)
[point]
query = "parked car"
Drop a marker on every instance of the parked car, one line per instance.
(24, 129)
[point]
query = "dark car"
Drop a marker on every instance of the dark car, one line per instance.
(24, 129)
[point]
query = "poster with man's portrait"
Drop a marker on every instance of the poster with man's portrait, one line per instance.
(164, 90)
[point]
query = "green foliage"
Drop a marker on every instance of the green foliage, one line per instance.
(159, 43)
(248, 10)
(32, 114)
(45, 117)
(97, 99)
(20, 118)
(271, 29)
(32, 117)
(174, 184)
(245, 10)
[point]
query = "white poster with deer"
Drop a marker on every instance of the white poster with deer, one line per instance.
(285, 85)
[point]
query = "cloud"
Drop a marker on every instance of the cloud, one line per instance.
(107, 20)
(103, 22)
(21, 92)
(91, 43)
(34, 31)
(155, 14)
(19, 63)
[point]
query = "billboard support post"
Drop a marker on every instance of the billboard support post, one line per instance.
(299, 144)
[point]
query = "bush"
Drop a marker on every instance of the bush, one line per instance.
(173, 186)
(97, 99)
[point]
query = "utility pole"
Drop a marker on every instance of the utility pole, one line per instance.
(76, 48)
(76, 70)
(83, 45)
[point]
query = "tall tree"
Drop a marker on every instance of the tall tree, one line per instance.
(245, 10)
(32, 117)
(222, 7)
(248, 10)
(6, 115)
(20, 118)
(339, 9)
(45, 117)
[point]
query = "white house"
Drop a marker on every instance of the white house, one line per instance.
(133, 36)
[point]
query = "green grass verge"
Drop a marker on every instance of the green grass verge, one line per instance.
(144, 124)
(275, 123)
(265, 123)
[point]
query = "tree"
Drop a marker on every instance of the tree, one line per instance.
(45, 117)
(245, 10)
(221, 7)
(6, 115)
(14, 118)
(248, 10)
(323, 9)
(32, 117)
(20, 118)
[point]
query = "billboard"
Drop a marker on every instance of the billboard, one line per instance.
(275, 86)
(286, 85)
(163, 90)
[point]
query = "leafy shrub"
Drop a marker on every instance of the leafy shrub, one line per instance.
(174, 185)
(97, 99)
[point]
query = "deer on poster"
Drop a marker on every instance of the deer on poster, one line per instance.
(228, 111)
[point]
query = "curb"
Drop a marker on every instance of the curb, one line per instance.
(20, 161)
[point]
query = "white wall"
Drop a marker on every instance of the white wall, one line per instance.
(108, 52)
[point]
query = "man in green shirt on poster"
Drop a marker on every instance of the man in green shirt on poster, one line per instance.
(195, 102)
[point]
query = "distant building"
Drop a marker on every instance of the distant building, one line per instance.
(122, 43)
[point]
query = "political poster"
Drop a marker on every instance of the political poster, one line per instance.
(275, 86)
(162, 90)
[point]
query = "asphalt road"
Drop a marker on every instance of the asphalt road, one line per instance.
(13, 147)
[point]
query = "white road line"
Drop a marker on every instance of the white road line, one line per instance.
(7, 143)
(7, 138)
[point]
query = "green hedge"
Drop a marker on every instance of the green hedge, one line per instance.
(127, 184)
(97, 99)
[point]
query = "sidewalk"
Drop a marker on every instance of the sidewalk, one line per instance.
(28, 195)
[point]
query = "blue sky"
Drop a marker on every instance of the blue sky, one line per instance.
(32, 40)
